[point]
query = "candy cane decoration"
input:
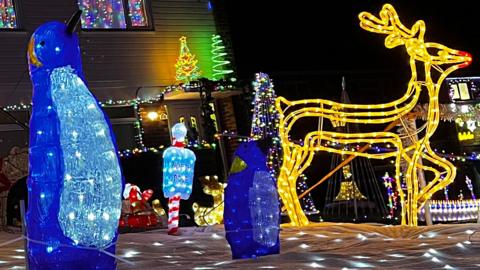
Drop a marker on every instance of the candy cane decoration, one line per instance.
(173, 214)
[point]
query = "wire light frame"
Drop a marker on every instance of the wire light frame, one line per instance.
(353, 193)
(430, 58)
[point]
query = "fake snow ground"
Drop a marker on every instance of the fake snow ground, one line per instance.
(324, 245)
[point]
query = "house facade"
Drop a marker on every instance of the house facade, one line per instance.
(129, 50)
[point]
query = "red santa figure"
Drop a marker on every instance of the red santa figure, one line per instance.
(140, 214)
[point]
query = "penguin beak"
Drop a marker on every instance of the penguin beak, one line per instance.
(238, 165)
(31, 53)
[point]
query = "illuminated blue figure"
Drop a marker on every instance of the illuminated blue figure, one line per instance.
(75, 182)
(252, 212)
(178, 168)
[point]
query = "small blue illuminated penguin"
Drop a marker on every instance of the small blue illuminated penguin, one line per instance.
(252, 210)
(75, 182)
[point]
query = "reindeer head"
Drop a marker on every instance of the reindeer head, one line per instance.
(211, 185)
(413, 38)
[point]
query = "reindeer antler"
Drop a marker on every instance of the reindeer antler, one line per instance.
(389, 24)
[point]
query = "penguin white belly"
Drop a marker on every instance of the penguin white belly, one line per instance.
(90, 201)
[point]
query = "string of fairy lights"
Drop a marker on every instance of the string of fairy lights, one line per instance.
(111, 14)
(137, 13)
(102, 14)
(265, 120)
(392, 194)
(453, 210)
(7, 15)
(168, 90)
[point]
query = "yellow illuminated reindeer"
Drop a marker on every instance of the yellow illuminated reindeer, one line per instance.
(205, 216)
(434, 58)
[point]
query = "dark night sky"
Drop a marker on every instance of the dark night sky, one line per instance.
(274, 36)
(312, 37)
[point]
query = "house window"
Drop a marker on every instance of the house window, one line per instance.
(138, 13)
(8, 19)
(114, 14)
(460, 91)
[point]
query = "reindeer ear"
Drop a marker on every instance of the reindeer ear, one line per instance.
(280, 102)
(393, 40)
(418, 29)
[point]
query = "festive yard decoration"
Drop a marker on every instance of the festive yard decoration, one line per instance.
(75, 181)
(468, 181)
(157, 207)
(353, 192)
(137, 213)
(186, 66)
(220, 64)
(265, 120)
(252, 213)
(136, 198)
(389, 183)
(307, 203)
(210, 215)
(453, 210)
(296, 157)
(178, 165)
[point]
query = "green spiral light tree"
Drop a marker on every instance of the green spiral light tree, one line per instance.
(220, 64)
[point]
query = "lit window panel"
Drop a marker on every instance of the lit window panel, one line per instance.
(102, 14)
(7, 15)
(138, 13)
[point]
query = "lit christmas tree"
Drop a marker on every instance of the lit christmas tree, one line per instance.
(186, 66)
(220, 64)
(265, 120)
(307, 202)
(265, 125)
(392, 194)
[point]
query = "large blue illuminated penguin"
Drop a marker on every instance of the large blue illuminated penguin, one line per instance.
(75, 182)
(252, 211)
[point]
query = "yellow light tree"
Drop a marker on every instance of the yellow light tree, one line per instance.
(186, 66)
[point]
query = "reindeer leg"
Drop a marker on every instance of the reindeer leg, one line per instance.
(409, 179)
(399, 186)
(284, 191)
(442, 183)
(415, 181)
(288, 190)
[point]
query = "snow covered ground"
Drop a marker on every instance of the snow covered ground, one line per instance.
(325, 245)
